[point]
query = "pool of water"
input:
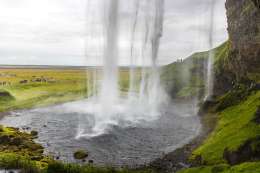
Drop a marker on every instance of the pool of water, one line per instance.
(122, 144)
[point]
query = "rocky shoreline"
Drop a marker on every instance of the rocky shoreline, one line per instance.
(179, 158)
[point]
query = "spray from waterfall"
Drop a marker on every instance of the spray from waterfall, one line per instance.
(132, 79)
(147, 19)
(109, 109)
(211, 56)
(109, 88)
(155, 91)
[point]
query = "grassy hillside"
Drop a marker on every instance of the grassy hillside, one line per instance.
(186, 78)
(236, 138)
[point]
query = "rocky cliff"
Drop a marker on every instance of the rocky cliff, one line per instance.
(243, 62)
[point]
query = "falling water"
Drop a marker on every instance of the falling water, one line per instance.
(132, 49)
(109, 108)
(147, 19)
(154, 81)
(210, 65)
(109, 88)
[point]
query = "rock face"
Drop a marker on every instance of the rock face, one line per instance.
(249, 151)
(244, 32)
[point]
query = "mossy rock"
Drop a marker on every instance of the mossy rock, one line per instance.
(5, 96)
(1, 128)
(34, 133)
(80, 154)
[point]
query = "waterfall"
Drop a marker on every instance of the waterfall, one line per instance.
(144, 97)
(211, 56)
(132, 79)
(154, 81)
(109, 88)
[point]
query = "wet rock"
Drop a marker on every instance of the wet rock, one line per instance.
(257, 116)
(244, 50)
(257, 3)
(206, 105)
(34, 133)
(247, 152)
(16, 141)
(5, 139)
(26, 128)
(91, 161)
(80, 154)
(36, 158)
(197, 160)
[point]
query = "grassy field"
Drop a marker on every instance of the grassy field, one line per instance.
(41, 87)
(31, 87)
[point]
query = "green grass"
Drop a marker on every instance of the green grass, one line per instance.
(235, 127)
(65, 85)
(26, 165)
(185, 79)
(250, 167)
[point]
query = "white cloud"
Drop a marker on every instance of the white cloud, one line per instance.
(55, 31)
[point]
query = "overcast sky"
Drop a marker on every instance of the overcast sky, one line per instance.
(57, 32)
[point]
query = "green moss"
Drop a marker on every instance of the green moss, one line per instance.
(233, 97)
(80, 154)
(234, 128)
(251, 167)
(56, 167)
(185, 78)
(5, 96)
(247, 8)
(14, 161)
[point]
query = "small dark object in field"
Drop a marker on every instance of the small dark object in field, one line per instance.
(23, 82)
(58, 158)
(44, 125)
(80, 154)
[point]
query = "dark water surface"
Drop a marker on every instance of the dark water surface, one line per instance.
(127, 145)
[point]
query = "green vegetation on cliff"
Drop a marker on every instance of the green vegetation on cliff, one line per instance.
(235, 127)
(186, 78)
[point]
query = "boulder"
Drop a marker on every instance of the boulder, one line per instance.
(80, 154)
(34, 133)
(5, 139)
